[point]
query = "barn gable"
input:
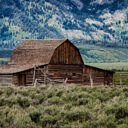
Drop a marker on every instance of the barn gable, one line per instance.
(66, 53)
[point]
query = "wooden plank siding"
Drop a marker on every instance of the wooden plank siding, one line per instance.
(72, 72)
(6, 79)
(66, 53)
(78, 74)
(99, 76)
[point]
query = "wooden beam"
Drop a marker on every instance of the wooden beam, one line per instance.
(45, 79)
(91, 79)
(65, 81)
(34, 76)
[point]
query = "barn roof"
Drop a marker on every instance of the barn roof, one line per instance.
(101, 69)
(12, 68)
(34, 52)
(30, 53)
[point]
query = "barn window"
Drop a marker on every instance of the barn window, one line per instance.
(73, 74)
(55, 74)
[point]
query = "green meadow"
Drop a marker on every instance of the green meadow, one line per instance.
(102, 54)
(119, 66)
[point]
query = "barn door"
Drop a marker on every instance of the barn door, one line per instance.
(22, 80)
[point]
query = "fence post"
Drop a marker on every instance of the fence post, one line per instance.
(65, 82)
(91, 79)
(114, 83)
(35, 83)
(121, 81)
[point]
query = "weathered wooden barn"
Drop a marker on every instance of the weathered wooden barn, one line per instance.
(44, 61)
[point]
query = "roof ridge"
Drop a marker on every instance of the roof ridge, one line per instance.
(43, 39)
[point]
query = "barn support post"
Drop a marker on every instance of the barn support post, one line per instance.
(34, 75)
(105, 79)
(35, 83)
(91, 79)
(45, 79)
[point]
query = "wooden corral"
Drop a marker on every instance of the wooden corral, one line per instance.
(35, 62)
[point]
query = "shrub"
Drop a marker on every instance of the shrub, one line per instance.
(68, 106)
(51, 110)
(59, 93)
(23, 101)
(2, 101)
(10, 101)
(35, 115)
(111, 122)
(121, 112)
(48, 121)
(37, 98)
(70, 97)
(123, 126)
(9, 91)
(54, 100)
(80, 115)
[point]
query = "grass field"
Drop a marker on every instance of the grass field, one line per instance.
(99, 54)
(123, 67)
(63, 107)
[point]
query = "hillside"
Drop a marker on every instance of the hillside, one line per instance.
(101, 54)
(63, 107)
(104, 21)
(101, 23)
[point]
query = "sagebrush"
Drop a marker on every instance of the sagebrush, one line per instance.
(63, 107)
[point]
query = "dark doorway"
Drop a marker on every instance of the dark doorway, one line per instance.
(22, 79)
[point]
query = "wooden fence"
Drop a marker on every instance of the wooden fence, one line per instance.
(120, 79)
(45, 77)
